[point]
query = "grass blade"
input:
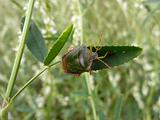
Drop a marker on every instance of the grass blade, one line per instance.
(118, 108)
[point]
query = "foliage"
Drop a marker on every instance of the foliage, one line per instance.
(115, 55)
(58, 45)
(57, 95)
(35, 41)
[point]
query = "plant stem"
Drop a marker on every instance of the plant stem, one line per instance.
(4, 110)
(20, 50)
(32, 79)
(18, 58)
(88, 7)
(118, 108)
(90, 96)
(86, 75)
(80, 21)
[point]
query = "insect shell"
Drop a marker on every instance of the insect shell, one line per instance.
(78, 60)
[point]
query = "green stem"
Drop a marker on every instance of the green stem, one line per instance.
(81, 21)
(4, 110)
(88, 7)
(28, 83)
(31, 80)
(118, 108)
(17, 4)
(90, 96)
(87, 77)
(20, 50)
(18, 58)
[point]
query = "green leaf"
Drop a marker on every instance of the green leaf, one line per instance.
(35, 42)
(117, 55)
(58, 45)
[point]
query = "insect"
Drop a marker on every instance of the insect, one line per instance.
(80, 59)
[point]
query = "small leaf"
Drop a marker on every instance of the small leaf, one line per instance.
(35, 41)
(116, 55)
(58, 45)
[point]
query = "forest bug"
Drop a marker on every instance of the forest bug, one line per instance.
(80, 59)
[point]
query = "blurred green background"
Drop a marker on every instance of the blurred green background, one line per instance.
(59, 96)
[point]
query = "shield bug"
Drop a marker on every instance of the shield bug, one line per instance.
(80, 59)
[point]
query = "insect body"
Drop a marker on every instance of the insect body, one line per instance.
(79, 60)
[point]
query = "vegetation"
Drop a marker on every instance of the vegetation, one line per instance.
(126, 92)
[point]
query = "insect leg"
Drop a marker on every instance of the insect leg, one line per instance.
(104, 62)
(103, 55)
(99, 58)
